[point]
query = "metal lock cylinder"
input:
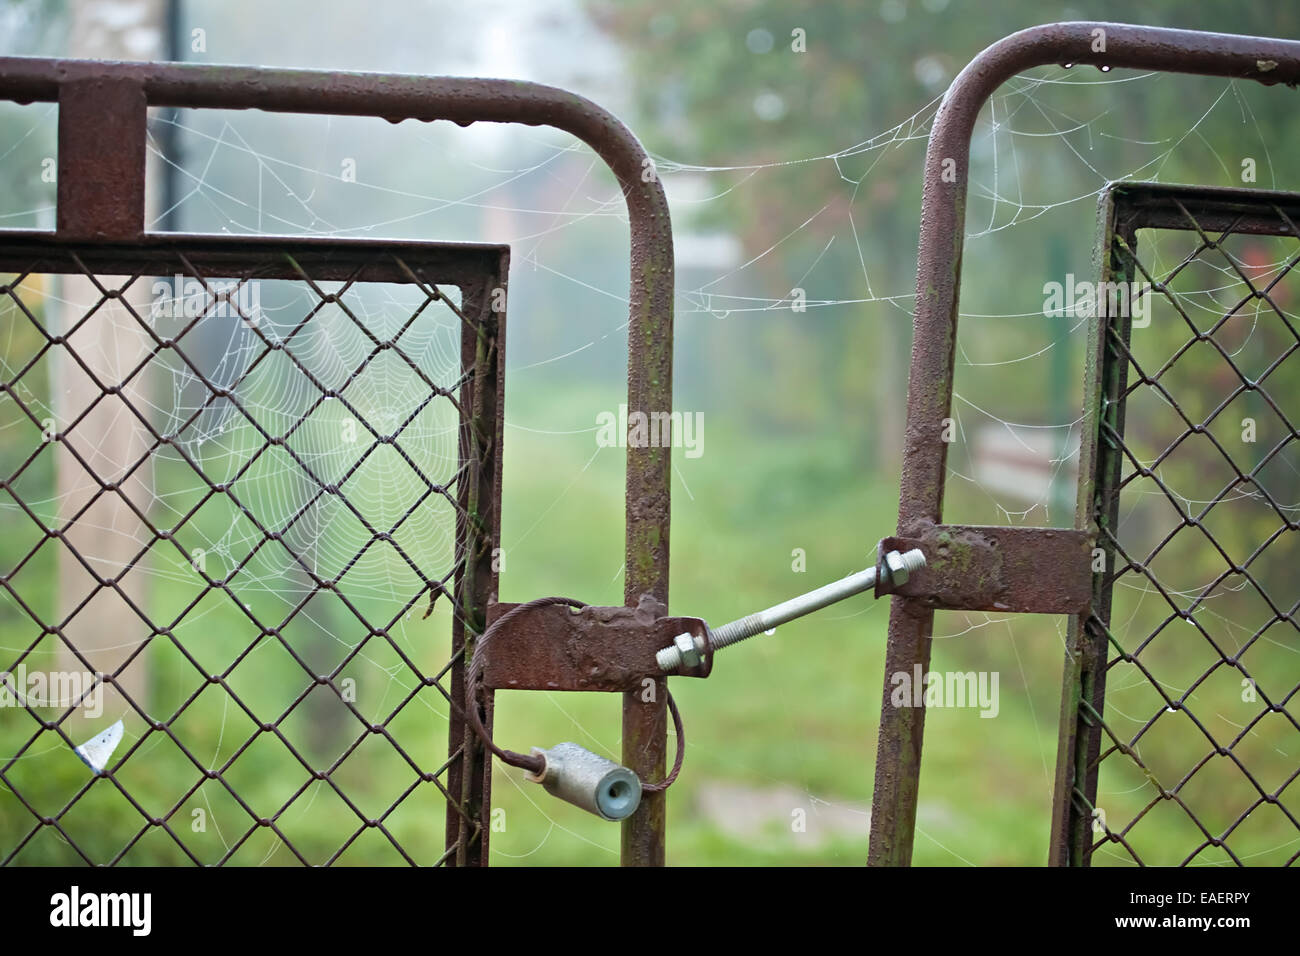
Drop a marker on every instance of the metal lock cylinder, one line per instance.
(588, 780)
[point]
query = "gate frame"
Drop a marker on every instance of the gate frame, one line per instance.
(102, 145)
(1123, 209)
(476, 269)
(966, 567)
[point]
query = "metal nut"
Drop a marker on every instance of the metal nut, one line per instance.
(690, 654)
(898, 572)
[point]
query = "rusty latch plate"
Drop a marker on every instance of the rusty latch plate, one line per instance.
(990, 568)
(594, 649)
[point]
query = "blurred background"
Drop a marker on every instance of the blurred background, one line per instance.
(790, 138)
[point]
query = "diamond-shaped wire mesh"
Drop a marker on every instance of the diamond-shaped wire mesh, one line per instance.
(1197, 742)
(235, 513)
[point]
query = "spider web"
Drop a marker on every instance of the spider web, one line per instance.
(564, 218)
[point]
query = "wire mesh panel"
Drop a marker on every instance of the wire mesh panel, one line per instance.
(1179, 723)
(248, 493)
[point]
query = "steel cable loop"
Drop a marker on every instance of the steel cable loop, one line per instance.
(531, 762)
(667, 781)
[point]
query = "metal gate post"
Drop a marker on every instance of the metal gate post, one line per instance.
(1100, 462)
(482, 347)
(929, 399)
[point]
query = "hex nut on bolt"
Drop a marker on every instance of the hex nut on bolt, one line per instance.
(690, 655)
(898, 570)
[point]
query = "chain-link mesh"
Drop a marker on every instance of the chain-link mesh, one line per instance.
(1195, 744)
(242, 516)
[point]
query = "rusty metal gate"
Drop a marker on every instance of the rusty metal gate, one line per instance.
(399, 305)
(429, 315)
(1178, 575)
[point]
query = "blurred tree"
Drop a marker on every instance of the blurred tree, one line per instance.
(753, 82)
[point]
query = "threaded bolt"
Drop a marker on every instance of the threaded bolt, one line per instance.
(897, 569)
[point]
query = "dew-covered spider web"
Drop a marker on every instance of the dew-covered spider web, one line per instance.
(796, 481)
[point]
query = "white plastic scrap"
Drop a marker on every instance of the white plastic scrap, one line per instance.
(96, 752)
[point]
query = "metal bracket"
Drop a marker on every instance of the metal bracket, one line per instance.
(593, 649)
(102, 149)
(990, 568)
